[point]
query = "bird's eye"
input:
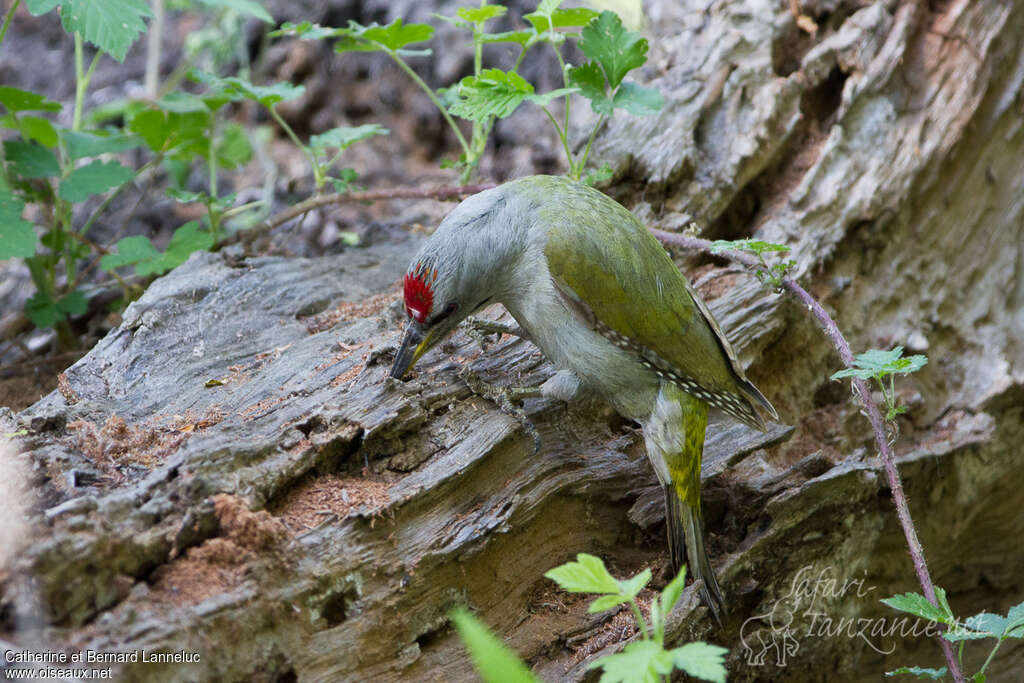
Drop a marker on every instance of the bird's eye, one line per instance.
(445, 312)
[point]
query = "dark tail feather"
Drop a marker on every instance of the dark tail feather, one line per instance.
(686, 541)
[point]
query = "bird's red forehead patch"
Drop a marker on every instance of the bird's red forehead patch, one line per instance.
(419, 294)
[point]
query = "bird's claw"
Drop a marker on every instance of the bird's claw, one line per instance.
(506, 398)
(481, 328)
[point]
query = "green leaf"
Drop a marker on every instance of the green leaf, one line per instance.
(673, 591)
(591, 81)
(520, 37)
(493, 660)
(391, 37)
(598, 175)
(41, 309)
(586, 575)
(73, 303)
(478, 15)
(632, 587)
(30, 160)
(918, 605)
(17, 236)
(307, 31)
(642, 661)
(183, 103)
(984, 625)
(39, 129)
(606, 602)
(110, 25)
(919, 672)
(37, 7)
(235, 88)
(95, 178)
(559, 18)
(345, 136)
(80, 144)
(878, 363)
(1015, 622)
(494, 93)
(637, 100)
(247, 7)
(753, 246)
(16, 100)
(130, 251)
(233, 148)
(186, 239)
(617, 50)
(701, 660)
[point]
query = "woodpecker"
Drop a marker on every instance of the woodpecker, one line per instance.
(604, 302)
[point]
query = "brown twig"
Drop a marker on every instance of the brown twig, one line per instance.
(320, 201)
(870, 410)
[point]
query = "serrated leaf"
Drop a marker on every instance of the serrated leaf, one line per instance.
(110, 25)
(544, 98)
(130, 251)
(979, 626)
(592, 84)
(493, 660)
(94, 178)
(246, 7)
(235, 88)
(39, 129)
(618, 51)
(598, 175)
(186, 239)
(494, 93)
(752, 246)
(344, 137)
(30, 159)
(918, 605)
(478, 15)
(878, 363)
(702, 660)
(16, 100)
(1015, 622)
(919, 672)
(672, 592)
(17, 236)
(586, 575)
(560, 18)
(37, 7)
(41, 309)
(606, 602)
(391, 37)
(632, 587)
(642, 661)
(82, 144)
(637, 100)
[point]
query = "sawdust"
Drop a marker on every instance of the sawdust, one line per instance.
(220, 563)
(311, 503)
(119, 443)
(353, 310)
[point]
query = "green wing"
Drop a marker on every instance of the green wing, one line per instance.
(619, 279)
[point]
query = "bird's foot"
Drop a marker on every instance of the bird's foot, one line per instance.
(506, 398)
(482, 328)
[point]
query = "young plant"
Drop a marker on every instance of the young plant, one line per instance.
(979, 627)
(881, 365)
(492, 93)
(768, 274)
(643, 661)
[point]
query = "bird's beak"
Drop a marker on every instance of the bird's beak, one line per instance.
(414, 344)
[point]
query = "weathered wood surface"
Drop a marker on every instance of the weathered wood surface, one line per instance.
(885, 149)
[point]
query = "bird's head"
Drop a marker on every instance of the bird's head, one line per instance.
(459, 270)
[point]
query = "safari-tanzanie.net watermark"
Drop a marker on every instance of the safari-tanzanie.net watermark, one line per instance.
(813, 608)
